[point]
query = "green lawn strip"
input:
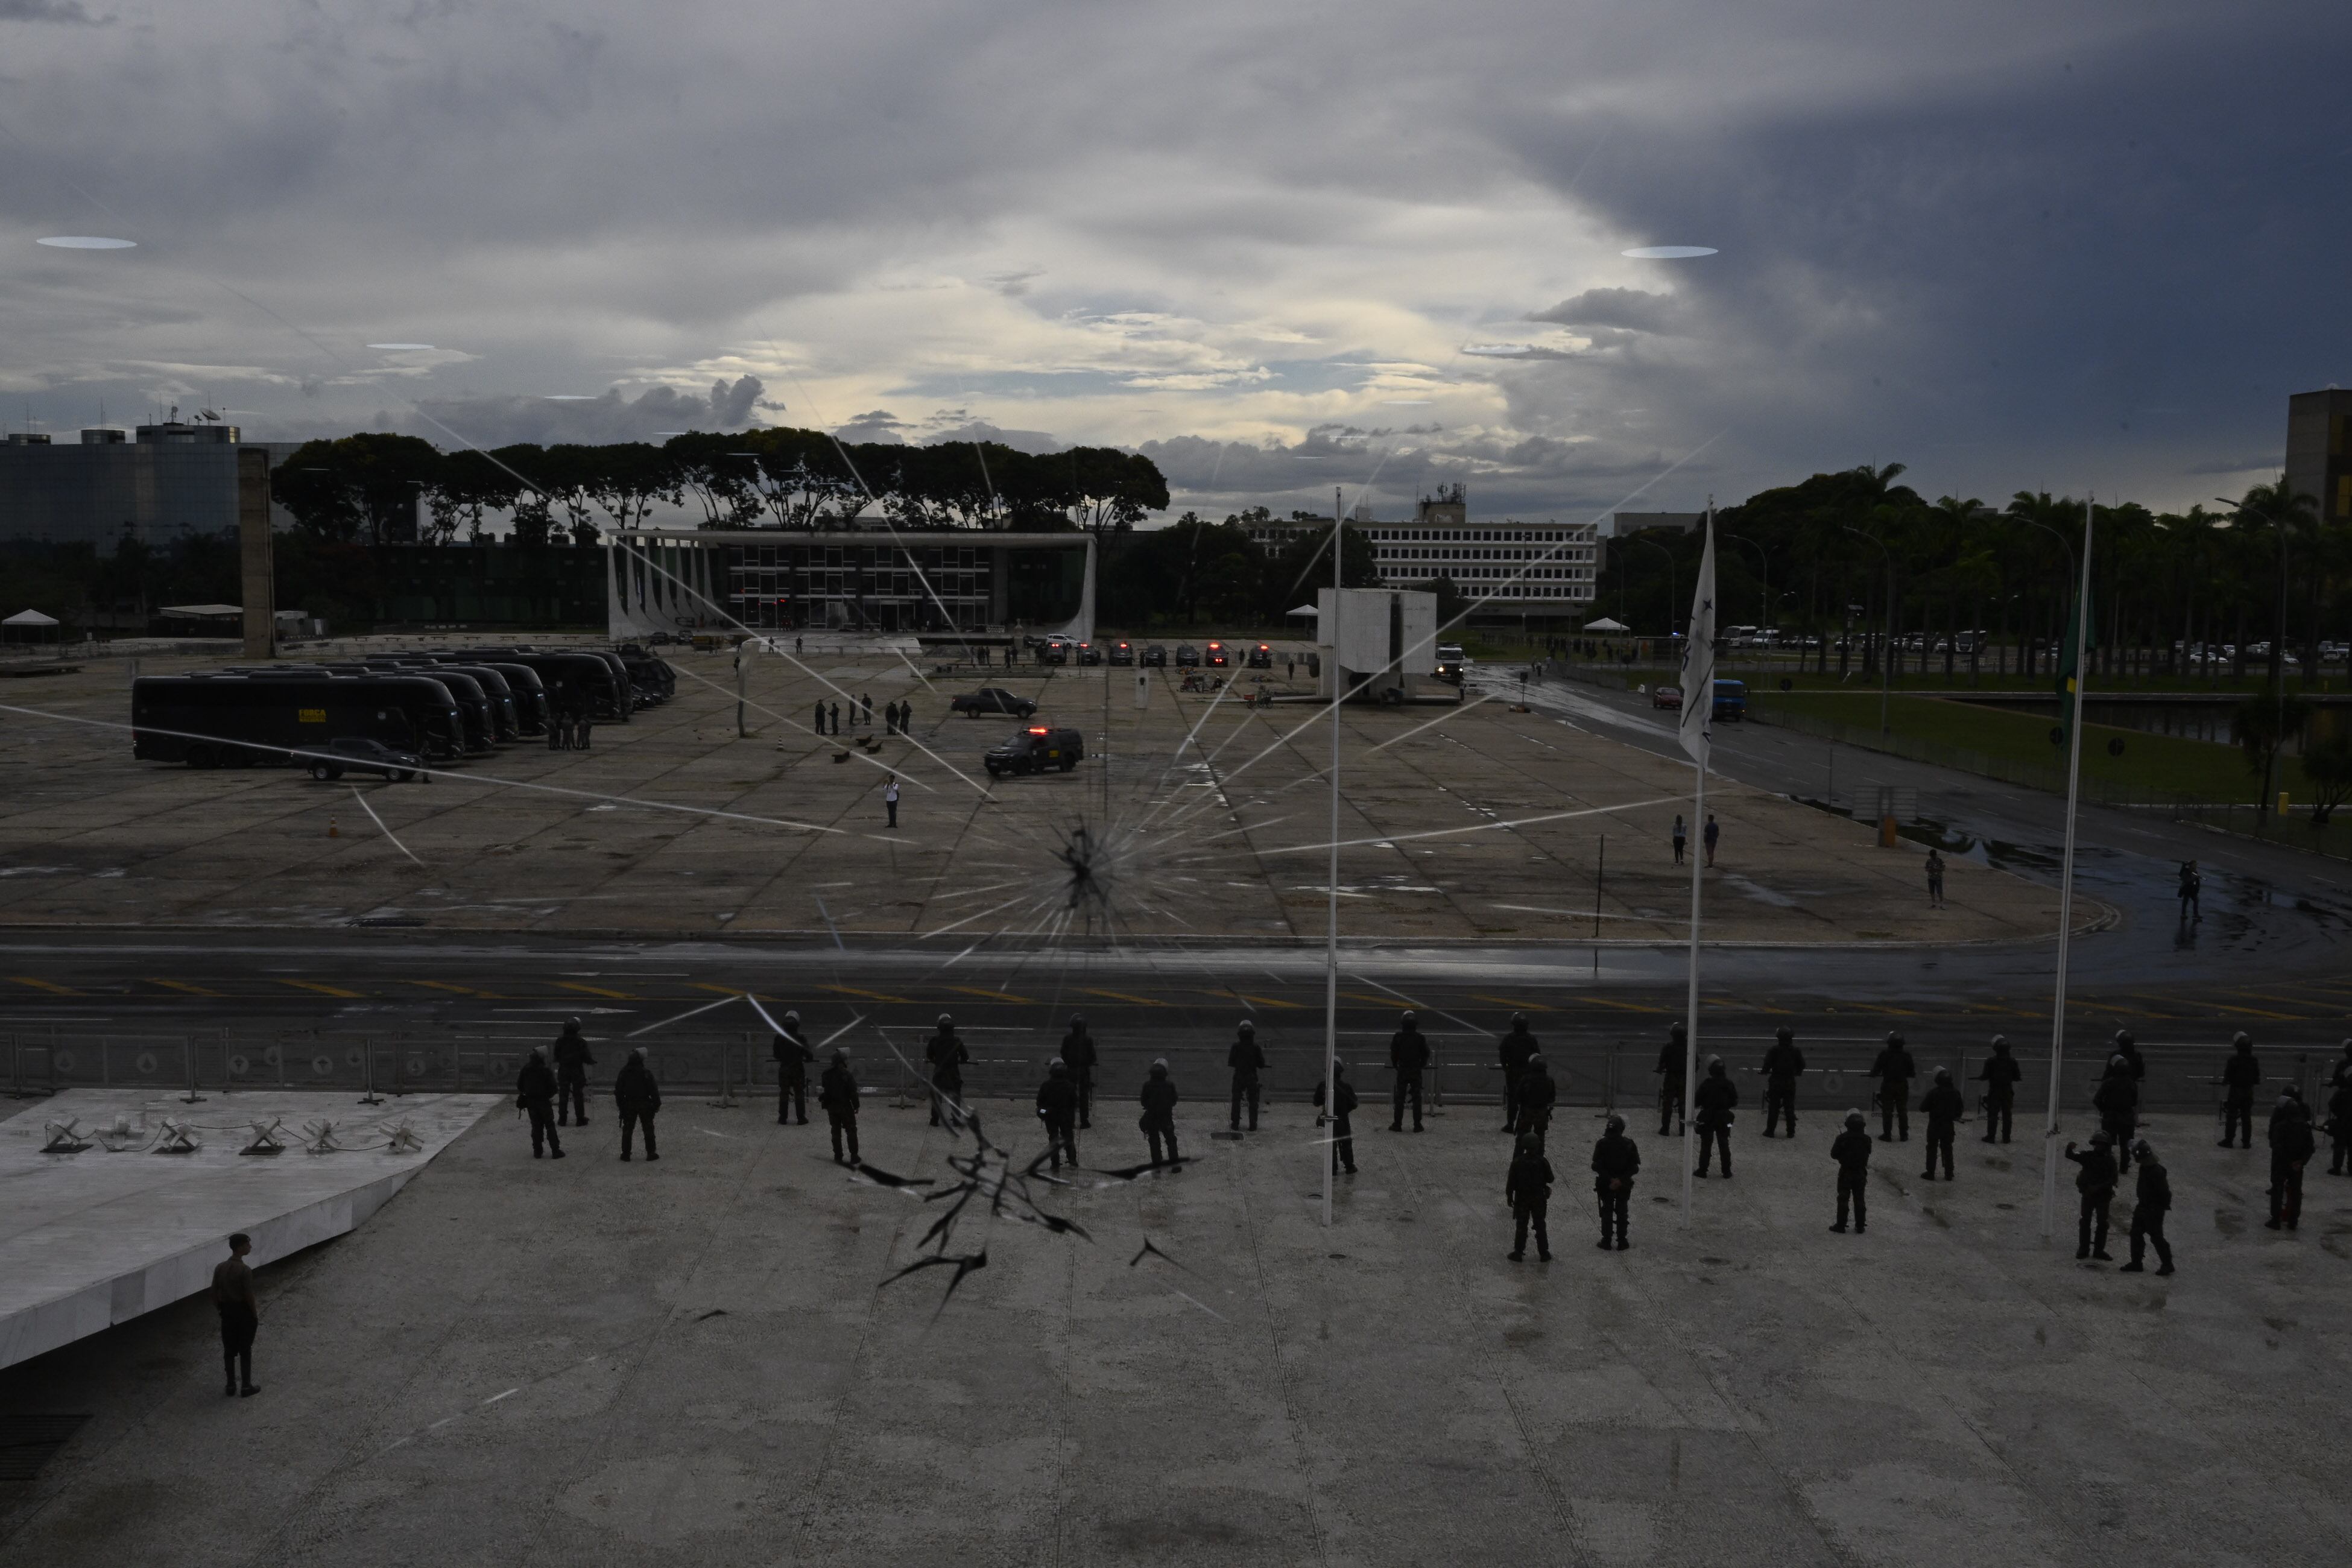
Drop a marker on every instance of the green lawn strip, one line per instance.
(2154, 766)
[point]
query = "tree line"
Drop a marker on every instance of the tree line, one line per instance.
(376, 487)
(1860, 551)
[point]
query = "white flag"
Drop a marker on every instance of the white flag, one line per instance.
(1698, 654)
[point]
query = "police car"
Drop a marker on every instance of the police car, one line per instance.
(1034, 749)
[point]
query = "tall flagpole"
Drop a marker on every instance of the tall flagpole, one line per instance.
(1697, 727)
(2067, 881)
(1330, 635)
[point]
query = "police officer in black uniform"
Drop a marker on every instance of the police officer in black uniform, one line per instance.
(535, 1093)
(1714, 1103)
(2149, 1205)
(637, 1097)
(1057, 1107)
(1341, 1114)
(837, 1094)
(793, 1059)
(2126, 1046)
(2291, 1147)
(947, 1056)
(1528, 1190)
(2000, 1075)
(1674, 1061)
(1942, 1106)
(2117, 1100)
(1894, 1069)
(1159, 1119)
(2339, 1127)
(1538, 1095)
(1408, 1055)
(1247, 1059)
(573, 1060)
(2239, 1075)
(1516, 1048)
(1783, 1064)
(1079, 1054)
(1616, 1160)
(1850, 1150)
(2095, 1183)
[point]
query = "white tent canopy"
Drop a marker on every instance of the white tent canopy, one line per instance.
(1305, 610)
(29, 618)
(1605, 625)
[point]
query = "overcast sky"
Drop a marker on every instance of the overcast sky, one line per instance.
(1280, 247)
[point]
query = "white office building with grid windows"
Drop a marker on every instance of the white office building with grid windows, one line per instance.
(1505, 568)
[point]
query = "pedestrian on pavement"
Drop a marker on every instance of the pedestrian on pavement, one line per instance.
(2339, 1128)
(554, 728)
(2126, 1046)
(867, 701)
(820, 718)
(535, 1096)
(1850, 1150)
(1783, 1064)
(890, 800)
(1516, 1048)
(1340, 1115)
(1711, 835)
(1894, 1069)
(1616, 1160)
(793, 1059)
(1526, 1191)
(1079, 1053)
(2000, 1075)
(2149, 1205)
(2240, 1075)
(1681, 836)
(587, 725)
(1537, 1094)
(796, 645)
(834, 710)
(1934, 879)
(1057, 1107)
(2192, 885)
(837, 1094)
(2096, 1184)
(1674, 1063)
(239, 1307)
(945, 1051)
(1408, 1056)
(1247, 1060)
(1942, 1106)
(638, 1099)
(1159, 1119)
(2117, 1101)
(2290, 1148)
(573, 1060)
(2339, 1071)
(1715, 1101)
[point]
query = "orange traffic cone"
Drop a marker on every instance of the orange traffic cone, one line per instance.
(333, 831)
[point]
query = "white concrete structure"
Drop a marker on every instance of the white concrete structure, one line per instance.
(92, 1238)
(1382, 641)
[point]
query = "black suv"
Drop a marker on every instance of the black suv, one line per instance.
(1155, 657)
(1122, 653)
(352, 754)
(992, 700)
(1034, 749)
(1188, 657)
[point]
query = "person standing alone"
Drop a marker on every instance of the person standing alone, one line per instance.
(793, 1059)
(1710, 838)
(1528, 1190)
(240, 1314)
(890, 800)
(639, 1099)
(1682, 837)
(1934, 880)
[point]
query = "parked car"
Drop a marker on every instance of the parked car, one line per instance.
(358, 754)
(1217, 660)
(1666, 697)
(1089, 654)
(1122, 653)
(1055, 650)
(1186, 656)
(992, 700)
(1034, 749)
(1155, 657)
(1261, 657)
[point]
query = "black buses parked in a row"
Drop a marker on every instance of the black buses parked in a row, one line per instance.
(238, 721)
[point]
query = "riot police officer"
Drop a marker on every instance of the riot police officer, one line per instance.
(1850, 1150)
(1537, 1094)
(1714, 1103)
(837, 1094)
(2117, 1101)
(1942, 1106)
(2000, 1075)
(1783, 1064)
(1894, 1069)
(1080, 1054)
(1408, 1056)
(1673, 1062)
(2290, 1148)
(1616, 1160)
(2239, 1075)
(793, 1059)
(1340, 1113)
(1247, 1059)
(1515, 1049)
(1057, 1107)
(1159, 1119)
(945, 1051)
(1528, 1190)
(573, 1060)
(2094, 1182)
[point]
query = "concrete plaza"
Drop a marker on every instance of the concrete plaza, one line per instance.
(1472, 824)
(695, 1360)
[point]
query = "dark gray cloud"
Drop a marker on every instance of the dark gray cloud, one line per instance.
(652, 414)
(1037, 442)
(1634, 309)
(67, 11)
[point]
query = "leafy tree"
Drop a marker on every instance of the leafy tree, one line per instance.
(363, 486)
(2265, 722)
(2327, 763)
(468, 484)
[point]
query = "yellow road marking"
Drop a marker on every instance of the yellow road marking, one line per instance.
(47, 986)
(722, 990)
(1123, 997)
(1514, 1005)
(460, 990)
(1389, 1001)
(180, 985)
(597, 991)
(323, 990)
(991, 996)
(1261, 1000)
(2249, 1012)
(869, 995)
(1626, 1007)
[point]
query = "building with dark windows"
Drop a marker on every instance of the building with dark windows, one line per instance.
(851, 579)
(1508, 570)
(2318, 457)
(151, 486)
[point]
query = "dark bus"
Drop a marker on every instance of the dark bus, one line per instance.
(217, 720)
(570, 677)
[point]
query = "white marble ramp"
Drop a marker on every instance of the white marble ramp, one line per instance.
(92, 1238)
